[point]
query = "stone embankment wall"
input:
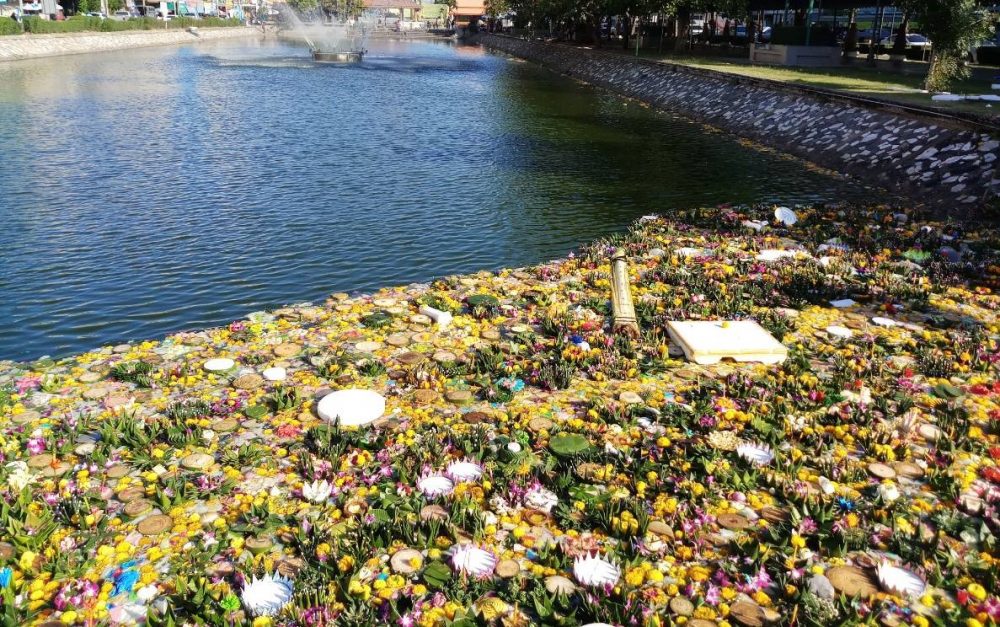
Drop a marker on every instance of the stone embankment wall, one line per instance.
(14, 47)
(942, 163)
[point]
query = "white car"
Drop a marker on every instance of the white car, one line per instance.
(913, 40)
(121, 16)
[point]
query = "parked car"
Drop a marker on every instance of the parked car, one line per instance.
(765, 34)
(865, 36)
(913, 41)
(121, 15)
(95, 14)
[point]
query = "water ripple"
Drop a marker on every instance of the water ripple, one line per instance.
(175, 188)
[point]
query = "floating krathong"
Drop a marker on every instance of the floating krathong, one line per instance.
(899, 580)
(541, 499)
(473, 561)
(268, 595)
(755, 453)
(595, 571)
(435, 485)
(464, 470)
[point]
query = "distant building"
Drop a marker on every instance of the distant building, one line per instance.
(467, 10)
(389, 11)
(436, 15)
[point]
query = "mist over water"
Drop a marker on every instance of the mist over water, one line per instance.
(172, 188)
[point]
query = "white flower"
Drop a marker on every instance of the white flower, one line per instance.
(755, 453)
(899, 580)
(147, 593)
(541, 499)
(514, 447)
(827, 486)
(888, 491)
(472, 560)
(267, 595)
(595, 571)
(317, 491)
(19, 477)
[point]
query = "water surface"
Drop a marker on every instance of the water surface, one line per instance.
(161, 189)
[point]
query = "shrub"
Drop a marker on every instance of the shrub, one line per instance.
(9, 27)
(81, 23)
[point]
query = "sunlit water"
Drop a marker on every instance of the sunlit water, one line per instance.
(161, 189)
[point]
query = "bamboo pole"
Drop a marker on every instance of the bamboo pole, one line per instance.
(621, 297)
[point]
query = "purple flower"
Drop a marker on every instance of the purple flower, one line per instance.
(36, 445)
(26, 383)
(808, 526)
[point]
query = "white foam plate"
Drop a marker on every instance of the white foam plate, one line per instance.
(274, 374)
(352, 408)
(839, 331)
(219, 364)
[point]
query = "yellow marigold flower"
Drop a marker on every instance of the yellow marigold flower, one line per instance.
(977, 592)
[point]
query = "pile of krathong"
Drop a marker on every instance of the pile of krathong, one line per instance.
(495, 453)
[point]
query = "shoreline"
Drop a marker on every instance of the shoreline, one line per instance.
(32, 46)
(933, 162)
(526, 422)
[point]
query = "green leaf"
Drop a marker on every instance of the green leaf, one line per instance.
(568, 444)
(482, 300)
(437, 575)
(945, 390)
(256, 412)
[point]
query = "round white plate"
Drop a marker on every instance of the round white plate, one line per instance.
(352, 408)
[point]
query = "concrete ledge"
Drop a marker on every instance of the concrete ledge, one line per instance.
(810, 56)
(28, 46)
(932, 161)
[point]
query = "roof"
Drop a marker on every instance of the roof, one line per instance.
(470, 7)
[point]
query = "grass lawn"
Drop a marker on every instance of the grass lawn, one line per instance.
(905, 88)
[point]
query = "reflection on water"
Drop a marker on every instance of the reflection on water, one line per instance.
(159, 189)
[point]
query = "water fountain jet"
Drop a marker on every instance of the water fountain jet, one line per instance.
(339, 41)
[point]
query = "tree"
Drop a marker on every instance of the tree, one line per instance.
(302, 6)
(953, 26)
(851, 40)
(116, 5)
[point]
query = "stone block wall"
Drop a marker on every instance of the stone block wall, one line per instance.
(947, 166)
(14, 47)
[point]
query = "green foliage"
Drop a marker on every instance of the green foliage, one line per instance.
(953, 26)
(436, 575)
(9, 27)
(79, 24)
(568, 444)
(303, 6)
(137, 372)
